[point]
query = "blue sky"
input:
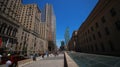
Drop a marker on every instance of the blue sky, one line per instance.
(69, 13)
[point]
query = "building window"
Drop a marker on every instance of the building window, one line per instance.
(117, 23)
(92, 49)
(96, 25)
(94, 37)
(99, 34)
(113, 12)
(111, 45)
(102, 46)
(92, 29)
(90, 39)
(103, 19)
(87, 40)
(22, 38)
(88, 31)
(22, 33)
(107, 31)
(96, 47)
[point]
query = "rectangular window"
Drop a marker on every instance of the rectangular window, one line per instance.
(88, 31)
(117, 23)
(111, 45)
(102, 46)
(103, 19)
(90, 39)
(107, 31)
(113, 12)
(96, 47)
(92, 29)
(96, 25)
(99, 34)
(94, 37)
(87, 40)
(92, 49)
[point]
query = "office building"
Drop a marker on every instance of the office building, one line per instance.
(100, 33)
(73, 42)
(9, 25)
(50, 20)
(21, 29)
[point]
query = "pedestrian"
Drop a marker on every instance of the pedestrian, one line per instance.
(47, 53)
(31, 56)
(34, 58)
(8, 63)
(0, 58)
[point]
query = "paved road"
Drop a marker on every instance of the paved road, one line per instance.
(93, 60)
(51, 61)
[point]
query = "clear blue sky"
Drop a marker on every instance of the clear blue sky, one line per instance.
(69, 13)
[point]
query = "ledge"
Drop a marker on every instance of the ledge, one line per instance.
(69, 62)
(24, 62)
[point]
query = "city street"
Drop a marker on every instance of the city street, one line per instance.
(85, 33)
(50, 61)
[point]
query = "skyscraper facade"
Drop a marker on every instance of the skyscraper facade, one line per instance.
(50, 20)
(67, 35)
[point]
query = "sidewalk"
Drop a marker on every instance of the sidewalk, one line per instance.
(2, 65)
(50, 61)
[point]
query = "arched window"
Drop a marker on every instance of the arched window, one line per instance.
(8, 29)
(14, 32)
(2, 28)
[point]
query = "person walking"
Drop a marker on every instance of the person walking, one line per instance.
(8, 62)
(0, 58)
(47, 53)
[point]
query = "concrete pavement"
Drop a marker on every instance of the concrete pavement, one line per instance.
(50, 61)
(3, 65)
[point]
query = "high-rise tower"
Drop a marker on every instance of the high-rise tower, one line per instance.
(67, 35)
(49, 18)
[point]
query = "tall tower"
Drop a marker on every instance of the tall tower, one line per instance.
(67, 35)
(49, 18)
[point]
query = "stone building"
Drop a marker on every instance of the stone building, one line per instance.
(21, 28)
(30, 18)
(9, 25)
(100, 33)
(73, 42)
(43, 35)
